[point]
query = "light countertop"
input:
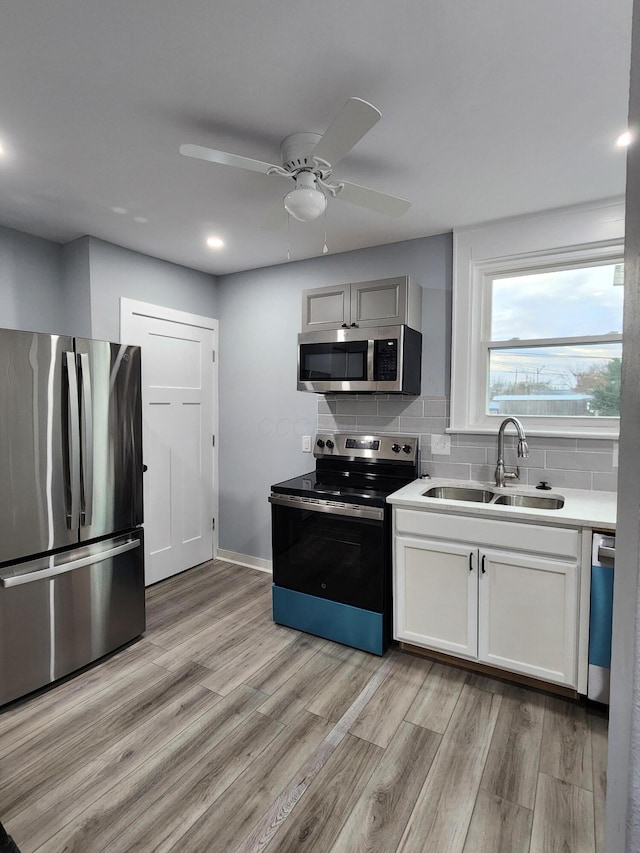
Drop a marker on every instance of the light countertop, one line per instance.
(582, 508)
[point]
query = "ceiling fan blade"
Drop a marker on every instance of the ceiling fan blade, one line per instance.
(226, 159)
(355, 119)
(276, 217)
(390, 205)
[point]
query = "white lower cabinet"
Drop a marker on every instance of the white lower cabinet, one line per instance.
(436, 596)
(516, 611)
(528, 615)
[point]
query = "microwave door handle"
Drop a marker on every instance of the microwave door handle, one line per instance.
(73, 439)
(86, 434)
(370, 360)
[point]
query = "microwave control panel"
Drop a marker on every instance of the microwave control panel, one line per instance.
(385, 360)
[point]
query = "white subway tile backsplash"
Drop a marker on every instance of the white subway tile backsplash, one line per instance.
(583, 463)
(477, 455)
(605, 482)
(410, 408)
(457, 471)
(557, 478)
(326, 406)
(484, 473)
(349, 406)
(552, 442)
(337, 423)
(435, 426)
(580, 461)
(378, 424)
(600, 445)
(435, 407)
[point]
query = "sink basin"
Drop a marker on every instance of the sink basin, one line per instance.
(533, 501)
(485, 496)
(459, 493)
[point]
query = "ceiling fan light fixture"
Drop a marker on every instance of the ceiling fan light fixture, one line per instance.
(306, 202)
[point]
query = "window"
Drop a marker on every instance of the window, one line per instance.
(538, 334)
(553, 346)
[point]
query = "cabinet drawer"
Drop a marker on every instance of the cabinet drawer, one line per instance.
(557, 541)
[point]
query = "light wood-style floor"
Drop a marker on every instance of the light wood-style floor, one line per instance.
(220, 731)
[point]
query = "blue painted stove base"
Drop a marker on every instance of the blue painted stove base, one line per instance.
(361, 629)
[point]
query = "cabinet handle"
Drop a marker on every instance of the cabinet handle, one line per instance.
(482, 568)
(345, 326)
(471, 561)
(354, 325)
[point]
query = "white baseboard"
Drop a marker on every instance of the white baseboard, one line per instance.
(245, 560)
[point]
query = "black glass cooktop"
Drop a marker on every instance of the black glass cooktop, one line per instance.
(341, 487)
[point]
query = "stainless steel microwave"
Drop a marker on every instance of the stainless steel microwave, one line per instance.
(385, 359)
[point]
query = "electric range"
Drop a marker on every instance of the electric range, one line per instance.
(331, 536)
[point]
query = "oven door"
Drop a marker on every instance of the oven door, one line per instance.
(330, 550)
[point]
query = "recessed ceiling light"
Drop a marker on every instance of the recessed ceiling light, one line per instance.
(119, 209)
(624, 139)
(140, 219)
(215, 242)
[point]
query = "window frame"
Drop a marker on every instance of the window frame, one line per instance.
(471, 342)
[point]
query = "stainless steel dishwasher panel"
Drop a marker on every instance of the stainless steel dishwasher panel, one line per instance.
(61, 612)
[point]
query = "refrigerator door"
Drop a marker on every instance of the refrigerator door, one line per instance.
(39, 448)
(59, 613)
(110, 437)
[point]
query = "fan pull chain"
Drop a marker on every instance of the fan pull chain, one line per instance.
(288, 237)
(325, 248)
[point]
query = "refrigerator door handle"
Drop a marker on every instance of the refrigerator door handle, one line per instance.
(65, 568)
(86, 436)
(73, 438)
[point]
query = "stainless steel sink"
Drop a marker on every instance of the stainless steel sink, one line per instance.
(459, 493)
(485, 496)
(532, 501)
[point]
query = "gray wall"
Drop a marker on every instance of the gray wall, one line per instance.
(117, 272)
(76, 285)
(262, 415)
(31, 291)
(623, 771)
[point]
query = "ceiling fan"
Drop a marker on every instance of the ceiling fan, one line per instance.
(309, 159)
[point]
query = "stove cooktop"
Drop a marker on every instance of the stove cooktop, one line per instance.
(357, 469)
(348, 491)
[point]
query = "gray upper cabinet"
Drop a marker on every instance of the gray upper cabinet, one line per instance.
(386, 302)
(326, 308)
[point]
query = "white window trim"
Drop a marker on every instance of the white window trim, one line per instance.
(497, 248)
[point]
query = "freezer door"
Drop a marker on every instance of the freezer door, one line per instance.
(110, 437)
(59, 613)
(38, 449)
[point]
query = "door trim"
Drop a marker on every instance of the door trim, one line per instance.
(130, 308)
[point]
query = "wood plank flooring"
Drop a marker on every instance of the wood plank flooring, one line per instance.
(220, 731)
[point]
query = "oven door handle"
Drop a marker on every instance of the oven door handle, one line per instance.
(318, 505)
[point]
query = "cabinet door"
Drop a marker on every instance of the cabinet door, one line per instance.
(326, 308)
(379, 303)
(436, 595)
(528, 615)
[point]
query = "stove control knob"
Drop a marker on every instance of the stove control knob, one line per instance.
(330, 444)
(320, 443)
(406, 448)
(395, 448)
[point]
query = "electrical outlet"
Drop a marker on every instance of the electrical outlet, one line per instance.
(306, 444)
(441, 445)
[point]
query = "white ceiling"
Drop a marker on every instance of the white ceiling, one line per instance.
(490, 108)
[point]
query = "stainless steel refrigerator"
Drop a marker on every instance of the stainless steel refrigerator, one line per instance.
(71, 547)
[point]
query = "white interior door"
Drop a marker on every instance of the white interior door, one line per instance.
(178, 404)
